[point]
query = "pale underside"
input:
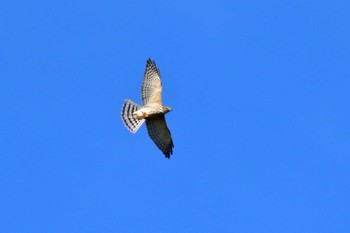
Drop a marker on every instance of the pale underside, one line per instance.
(148, 112)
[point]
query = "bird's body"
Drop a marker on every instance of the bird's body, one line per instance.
(152, 111)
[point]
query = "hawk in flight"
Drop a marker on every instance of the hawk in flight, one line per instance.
(152, 111)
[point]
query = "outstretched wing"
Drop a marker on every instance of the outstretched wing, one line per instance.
(151, 90)
(160, 134)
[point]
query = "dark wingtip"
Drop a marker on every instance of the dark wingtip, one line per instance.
(152, 65)
(170, 150)
(150, 62)
(168, 153)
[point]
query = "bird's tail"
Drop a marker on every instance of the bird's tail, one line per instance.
(129, 120)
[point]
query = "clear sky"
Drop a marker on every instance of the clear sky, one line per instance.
(260, 95)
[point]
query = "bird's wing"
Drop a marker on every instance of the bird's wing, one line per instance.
(151, 90)
(160, 134)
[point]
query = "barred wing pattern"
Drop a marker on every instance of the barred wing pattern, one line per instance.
(151, 90)
(160, 134)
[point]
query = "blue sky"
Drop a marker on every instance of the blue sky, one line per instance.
(260, 120)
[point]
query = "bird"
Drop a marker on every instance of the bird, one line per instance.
(152, 111)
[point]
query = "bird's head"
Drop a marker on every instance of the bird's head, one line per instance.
(167, 109)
